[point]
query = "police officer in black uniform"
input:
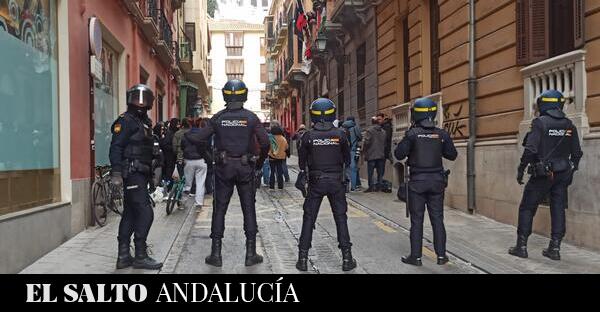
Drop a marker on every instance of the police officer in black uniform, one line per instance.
(323, 153)
(238, 132)
(425, 146)
(132, 152)
(552, 153)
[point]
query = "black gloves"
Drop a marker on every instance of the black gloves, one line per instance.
(301, 183)
(116, 179)
(520, 173)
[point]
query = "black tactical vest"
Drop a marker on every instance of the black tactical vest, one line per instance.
(426, 151)
(141, 143)
(555, 143)
(325, 150)
(233, 132)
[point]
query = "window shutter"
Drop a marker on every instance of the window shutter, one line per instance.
(539, 24)
(579, 20)
(435, 47)
(522, 30)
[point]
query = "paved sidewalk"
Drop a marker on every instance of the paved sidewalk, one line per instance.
(94, 251)
(480, 241)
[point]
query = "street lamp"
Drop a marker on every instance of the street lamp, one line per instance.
(321, 42)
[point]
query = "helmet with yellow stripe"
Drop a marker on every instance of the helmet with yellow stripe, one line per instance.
(235, 91)
(549, 100)
(424, 109)
(322, 110)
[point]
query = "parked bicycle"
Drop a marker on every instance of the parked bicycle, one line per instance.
(105, 196)
(175, 195)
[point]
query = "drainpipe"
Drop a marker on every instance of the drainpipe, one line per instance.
(472, 112)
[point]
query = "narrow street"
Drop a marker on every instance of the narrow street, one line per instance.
(378, 228)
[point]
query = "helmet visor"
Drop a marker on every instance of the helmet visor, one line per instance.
(140, 97)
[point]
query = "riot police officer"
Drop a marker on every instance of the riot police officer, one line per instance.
(425, 145)
(323, 153)
(552, 153)
(132, 152)
(238, 132)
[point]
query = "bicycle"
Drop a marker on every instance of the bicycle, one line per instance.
(175, 195)
(105, 196)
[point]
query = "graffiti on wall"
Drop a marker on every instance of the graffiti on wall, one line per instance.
(27, 20)
(454, 126)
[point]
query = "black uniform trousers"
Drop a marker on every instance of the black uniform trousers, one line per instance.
(536, 190)
(227, 176)
(336, 194)
(137, 215)
(426, 194)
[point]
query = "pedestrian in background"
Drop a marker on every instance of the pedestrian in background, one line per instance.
(185, 127)
(277, 156)
(374, 153)
(195, 158)
(166, 144)
(355, 138)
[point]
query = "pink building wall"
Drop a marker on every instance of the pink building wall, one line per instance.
(114, 16)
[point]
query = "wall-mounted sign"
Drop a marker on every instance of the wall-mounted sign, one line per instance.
(96, 69)
(95, 37)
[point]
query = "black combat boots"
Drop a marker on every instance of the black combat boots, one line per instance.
(124, 258)
(215, 258)
(142, 260)
(412, 260)
(553, 250)
(520, 250)
(441, 260)
(252, 257)
(302, 264)
(348, 263)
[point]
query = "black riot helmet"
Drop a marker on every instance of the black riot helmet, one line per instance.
(235, 91)
(141, 97)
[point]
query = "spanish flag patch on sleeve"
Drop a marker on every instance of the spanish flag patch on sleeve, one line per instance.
(117, 128)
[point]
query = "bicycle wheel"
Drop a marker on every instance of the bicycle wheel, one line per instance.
(171, 200)
(99, 203)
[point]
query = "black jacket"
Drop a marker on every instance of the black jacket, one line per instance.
(193, 151)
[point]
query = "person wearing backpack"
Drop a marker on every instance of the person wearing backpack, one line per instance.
(355, 137)
(277, 155)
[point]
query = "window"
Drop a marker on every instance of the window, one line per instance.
(234, 69)
(143, 76)
(435, 46)
(234, 43)
(265, 3)
(548, 28)
(263, 73)
(190, 33)
(106, 106)
(29, 128)
(253, 3)
(361, 60)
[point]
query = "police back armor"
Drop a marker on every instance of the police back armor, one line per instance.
(556, 142)
(234, 132)
(426, 152)
(326, 150)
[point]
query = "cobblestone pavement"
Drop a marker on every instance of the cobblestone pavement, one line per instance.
(378, 229)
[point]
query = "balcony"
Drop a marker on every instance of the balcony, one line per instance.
(565, 73)
(135, 8)
(176, 67)
(150, 19)
(186, 57)
(177, 4)
(164, 45)
(349, 12)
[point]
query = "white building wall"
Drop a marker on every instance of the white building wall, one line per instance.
(242, 10)
(252, 63)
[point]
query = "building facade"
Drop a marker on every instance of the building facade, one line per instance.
(521, 47)
(59, 129)
(194, 47)
(249, 11)
(236, 53)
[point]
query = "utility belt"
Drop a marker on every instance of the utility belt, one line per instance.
(222, 158)
(136, 165)
(549, 168)
(317, 175)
